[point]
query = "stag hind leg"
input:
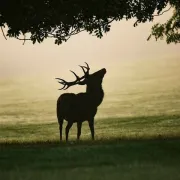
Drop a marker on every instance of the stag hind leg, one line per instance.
(69, 125)
(60, 121)
(60, 129)
(91, 126)
(79, 125)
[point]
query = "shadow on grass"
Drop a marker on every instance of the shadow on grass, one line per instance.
(98, 142)
(87, 154)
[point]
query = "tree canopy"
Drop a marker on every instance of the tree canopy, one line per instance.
(36, 20)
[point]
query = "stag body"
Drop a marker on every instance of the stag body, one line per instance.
(82, 106)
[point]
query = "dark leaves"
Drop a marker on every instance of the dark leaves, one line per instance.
(61, 19)
(170, 29)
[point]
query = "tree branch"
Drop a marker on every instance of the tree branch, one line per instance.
(163, 12)
(3, 33)
(23, 39)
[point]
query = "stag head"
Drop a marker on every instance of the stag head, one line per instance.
(87, 79)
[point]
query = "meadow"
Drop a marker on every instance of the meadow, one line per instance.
(137, 128)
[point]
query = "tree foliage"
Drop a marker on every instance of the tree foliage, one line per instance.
(37, 20)
(170, 29)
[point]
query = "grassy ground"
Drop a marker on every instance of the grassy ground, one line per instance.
(125, 148)
(112, 159)
(152, 127)
(137, 129)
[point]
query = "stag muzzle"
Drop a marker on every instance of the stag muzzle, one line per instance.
(101, 72)
(104, 70)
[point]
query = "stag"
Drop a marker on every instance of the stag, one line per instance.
(77, 108)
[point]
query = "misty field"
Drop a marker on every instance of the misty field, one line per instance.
(137, 128)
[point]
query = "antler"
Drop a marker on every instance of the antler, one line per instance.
(86, 73)
(66, 84)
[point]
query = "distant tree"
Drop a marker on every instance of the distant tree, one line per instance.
(37, 20)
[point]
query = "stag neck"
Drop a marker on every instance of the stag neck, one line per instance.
(96, 95)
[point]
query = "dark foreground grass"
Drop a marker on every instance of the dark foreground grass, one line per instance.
(133, 148)
(108, 159)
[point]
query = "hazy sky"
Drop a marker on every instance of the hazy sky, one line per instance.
(122, 43)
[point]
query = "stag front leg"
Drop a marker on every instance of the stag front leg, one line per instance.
(91, 126)
(79, 125)
(69, 125)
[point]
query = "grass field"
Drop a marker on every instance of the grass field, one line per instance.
(137, 129)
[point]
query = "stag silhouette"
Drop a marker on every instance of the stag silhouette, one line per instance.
(77, 108)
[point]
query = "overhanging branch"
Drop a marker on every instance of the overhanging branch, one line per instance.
(163, 12)
(3, 33)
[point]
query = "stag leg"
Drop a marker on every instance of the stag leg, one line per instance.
(60, 129)
(69, 125)
(79, 125)
(91, 126)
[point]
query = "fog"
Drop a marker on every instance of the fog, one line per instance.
(122, 43)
